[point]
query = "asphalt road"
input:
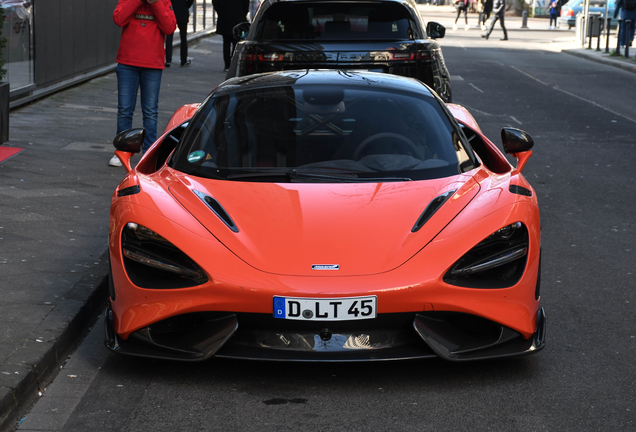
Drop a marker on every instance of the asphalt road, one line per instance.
(582, 117)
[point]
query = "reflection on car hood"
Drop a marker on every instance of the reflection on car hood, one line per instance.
(364, 228)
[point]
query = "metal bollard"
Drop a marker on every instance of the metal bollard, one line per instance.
(524, 19)
(590, 31)
(608, 22)
(628, 27)
(600, 32)
(618, 36)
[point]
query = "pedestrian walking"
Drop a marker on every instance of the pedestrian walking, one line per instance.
(486, 14)
(140, 62)
(182, 13)
(230, 13)
(462, 6)
(627, 9)
(499, 14)
(554, 10)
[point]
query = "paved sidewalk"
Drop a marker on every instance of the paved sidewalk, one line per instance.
(55, 198)
(54, 207)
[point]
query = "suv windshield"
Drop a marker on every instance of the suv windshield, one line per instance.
(322, 133)
(333, 21)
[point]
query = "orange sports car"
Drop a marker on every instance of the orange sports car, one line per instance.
(319, 215)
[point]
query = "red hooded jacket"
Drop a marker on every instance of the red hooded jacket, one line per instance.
(144, 27)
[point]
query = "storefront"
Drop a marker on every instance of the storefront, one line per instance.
(18, 51)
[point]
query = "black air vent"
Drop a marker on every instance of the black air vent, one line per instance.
(520, 190)
(218, 209)
(132, 190)
(430, 210)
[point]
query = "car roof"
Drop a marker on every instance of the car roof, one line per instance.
(349, 78)
(267, 3)
(337, 1)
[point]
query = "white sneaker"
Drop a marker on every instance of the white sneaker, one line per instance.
(483, 27)
(467, 27)
(454, 26)
(114, 161)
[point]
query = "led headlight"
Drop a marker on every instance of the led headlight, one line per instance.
(496, 262)
(151, 261)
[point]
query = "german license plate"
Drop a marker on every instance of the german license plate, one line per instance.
(325, 309)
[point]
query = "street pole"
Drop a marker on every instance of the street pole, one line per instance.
(586, 16)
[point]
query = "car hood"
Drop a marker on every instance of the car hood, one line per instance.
(290, 228)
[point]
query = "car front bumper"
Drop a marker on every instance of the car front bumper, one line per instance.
(449, 335)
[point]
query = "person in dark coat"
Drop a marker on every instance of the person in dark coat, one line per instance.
(487, 10)
(627, 10)
(230, 13)
(499, 14)
(181, 10)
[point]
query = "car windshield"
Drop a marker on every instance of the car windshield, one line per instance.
(322, 133)
(335, 21)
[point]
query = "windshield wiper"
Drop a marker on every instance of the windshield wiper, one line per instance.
(291, 174)
(296, 176)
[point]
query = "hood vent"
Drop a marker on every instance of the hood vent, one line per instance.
(218, 209)
(430, 210)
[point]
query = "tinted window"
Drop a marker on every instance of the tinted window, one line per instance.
(335, 21)
(323, 130)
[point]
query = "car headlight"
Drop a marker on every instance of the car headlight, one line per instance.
(496, 262)
(151, 261)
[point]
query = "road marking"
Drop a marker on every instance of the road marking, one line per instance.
(475, 87)
(516, 120)
(595, 104)
(456, 78)
(88, 108)
(529, 76)
(575, 96)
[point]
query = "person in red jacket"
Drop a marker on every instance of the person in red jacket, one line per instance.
(140, 61)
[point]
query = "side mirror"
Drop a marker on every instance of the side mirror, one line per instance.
(516, 140)
(240, 31)
(517, 143)
(130, 141)
(435, 30)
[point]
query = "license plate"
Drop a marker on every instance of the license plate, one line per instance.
(325, 309)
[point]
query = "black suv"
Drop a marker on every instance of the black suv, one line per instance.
(381, 36)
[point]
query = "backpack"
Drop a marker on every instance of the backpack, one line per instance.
(630, 5)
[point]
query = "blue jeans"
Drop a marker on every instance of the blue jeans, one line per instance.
(627, 31)
(129, 80)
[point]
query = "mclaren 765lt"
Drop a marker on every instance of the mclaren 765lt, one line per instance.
(324, 215)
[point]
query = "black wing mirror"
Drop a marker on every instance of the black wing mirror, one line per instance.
(130, 141)
(435, 30)
(240, 31)
(516, 140)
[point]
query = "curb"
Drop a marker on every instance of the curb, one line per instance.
(36, 363)
(602, 58)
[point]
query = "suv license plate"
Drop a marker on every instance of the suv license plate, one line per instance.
(325, 309)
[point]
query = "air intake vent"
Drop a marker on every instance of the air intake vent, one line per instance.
(520, 190)
(430, 210)
(218, 209)
(132, 190)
